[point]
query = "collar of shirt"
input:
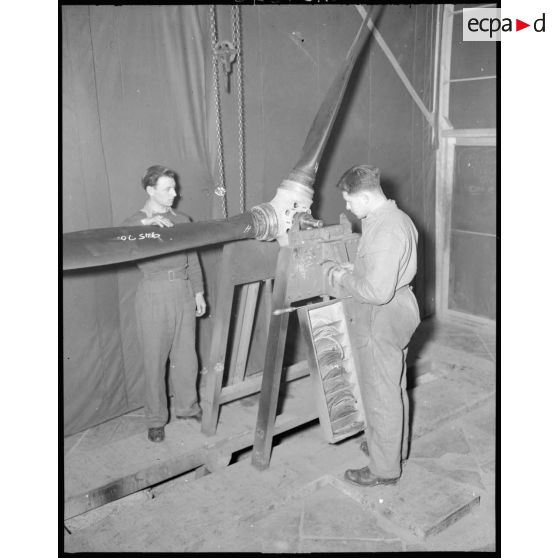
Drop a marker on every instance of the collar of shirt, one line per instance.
(148, 210)
(388, 205)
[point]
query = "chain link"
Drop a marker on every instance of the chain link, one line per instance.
(220, 189)
(237, 41)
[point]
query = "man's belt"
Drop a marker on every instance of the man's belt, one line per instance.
(169, 275)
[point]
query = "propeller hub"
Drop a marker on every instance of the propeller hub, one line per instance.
(274, 219)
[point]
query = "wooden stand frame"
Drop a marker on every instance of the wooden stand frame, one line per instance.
(252, 265)
(297, 274)
(298, 277)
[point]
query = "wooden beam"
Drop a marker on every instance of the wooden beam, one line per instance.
(435, 85)
(299, 411)
(477, 142)
(469, 133)
(267, 301)
(273, 363)
(398, 70)
(253, 383)
(183, 452)
(475, 7)
(462, 318)
(218, 349)
(455, 80)
(243, 333)
(446, 200)
(461, 231)
(444, 173)
(238, 328)
(81, 503)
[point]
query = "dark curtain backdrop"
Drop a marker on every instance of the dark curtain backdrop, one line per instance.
(137, 90)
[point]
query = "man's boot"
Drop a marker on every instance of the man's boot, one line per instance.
(364, 477)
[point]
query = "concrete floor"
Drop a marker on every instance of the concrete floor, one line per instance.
(444, 501)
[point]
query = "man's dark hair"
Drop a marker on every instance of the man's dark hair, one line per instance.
(359, 178)
(152, 174)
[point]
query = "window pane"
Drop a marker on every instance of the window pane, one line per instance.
(472, 286)
(474, 190)
(472, 104)
(470, 58)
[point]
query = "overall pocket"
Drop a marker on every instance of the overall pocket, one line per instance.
(407, 301)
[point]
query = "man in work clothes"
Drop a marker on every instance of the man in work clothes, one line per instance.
(168, 299)
(379, 282)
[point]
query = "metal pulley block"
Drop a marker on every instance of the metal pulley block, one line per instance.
(226, 55)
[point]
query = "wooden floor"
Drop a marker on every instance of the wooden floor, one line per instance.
(115, 459)
(444, 501)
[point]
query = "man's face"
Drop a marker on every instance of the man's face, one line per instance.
(163, 192)
(357, 203)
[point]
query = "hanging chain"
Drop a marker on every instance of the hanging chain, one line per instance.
(237, 41)
(220, 189)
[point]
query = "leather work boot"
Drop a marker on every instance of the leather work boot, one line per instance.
(156, 434)
(193, 418)
(364, 449)
(363, 477)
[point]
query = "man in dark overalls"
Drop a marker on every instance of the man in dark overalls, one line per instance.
(169, 297)
(379, 281)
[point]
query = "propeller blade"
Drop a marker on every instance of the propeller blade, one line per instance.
(323, 122)
(96, 247)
